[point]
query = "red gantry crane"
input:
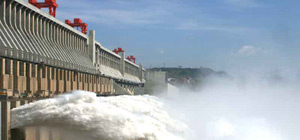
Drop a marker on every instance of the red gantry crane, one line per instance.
(51, 4)
(131, 58)
(118, 50)
(78, 23)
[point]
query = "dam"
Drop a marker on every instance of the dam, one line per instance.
(41, 56)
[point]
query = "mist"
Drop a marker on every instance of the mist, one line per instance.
(249, 106)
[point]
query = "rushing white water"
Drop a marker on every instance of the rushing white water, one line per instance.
(102, 118)
(247, 108)
(251, 108)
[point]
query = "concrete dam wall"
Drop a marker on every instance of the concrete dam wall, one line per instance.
(41, 56)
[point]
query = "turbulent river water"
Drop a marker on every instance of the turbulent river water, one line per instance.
(101, 118)
(222, 109)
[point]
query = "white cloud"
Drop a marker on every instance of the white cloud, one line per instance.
(249, 50)
(117, 11)
(169, 14)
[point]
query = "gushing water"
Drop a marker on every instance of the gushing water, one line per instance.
(224, 109)
(101, 118)
(248, 108)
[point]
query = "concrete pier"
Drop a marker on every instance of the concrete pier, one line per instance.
(5, 121)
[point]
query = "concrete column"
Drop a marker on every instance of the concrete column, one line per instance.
(9, 81)
(47, 36)
(43, 36)
(29, 28)
(39, 79)
(89, 83)
(24, 84)
(16, 23)
(35, 24)
(28, 76)
(141, 75)
(93, 83)
(55, 33)
(111, 86)
(72, 80)
(54, 81)
(80, 81)
(66, 40)
(101, 57)
(49, 76)
(101, 84)
(82, 48)
(2, 72)
(45, 79)
(61, 36)
(21, 25)
(70, 36)
(28, 21)
(18, 16)
(5, 121)
(23, 102)
(75, 80)
(16, 72)
(3, 37)
(15, 104)
(16, 134)
(37, 133)
(13, 17)
(32, 20)
(92, 48)
(85, 82)
(8, 9)
(84, 45)
(2, 9)
(122, 63)
(66, 80)
(40, 34)
(34, 79)
(97, 57)
(23, 17)
(76, 44)
(58, 81)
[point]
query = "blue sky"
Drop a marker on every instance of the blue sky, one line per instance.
(221, 34)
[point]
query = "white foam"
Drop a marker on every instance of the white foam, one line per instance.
(110, 118)
(251, 108)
